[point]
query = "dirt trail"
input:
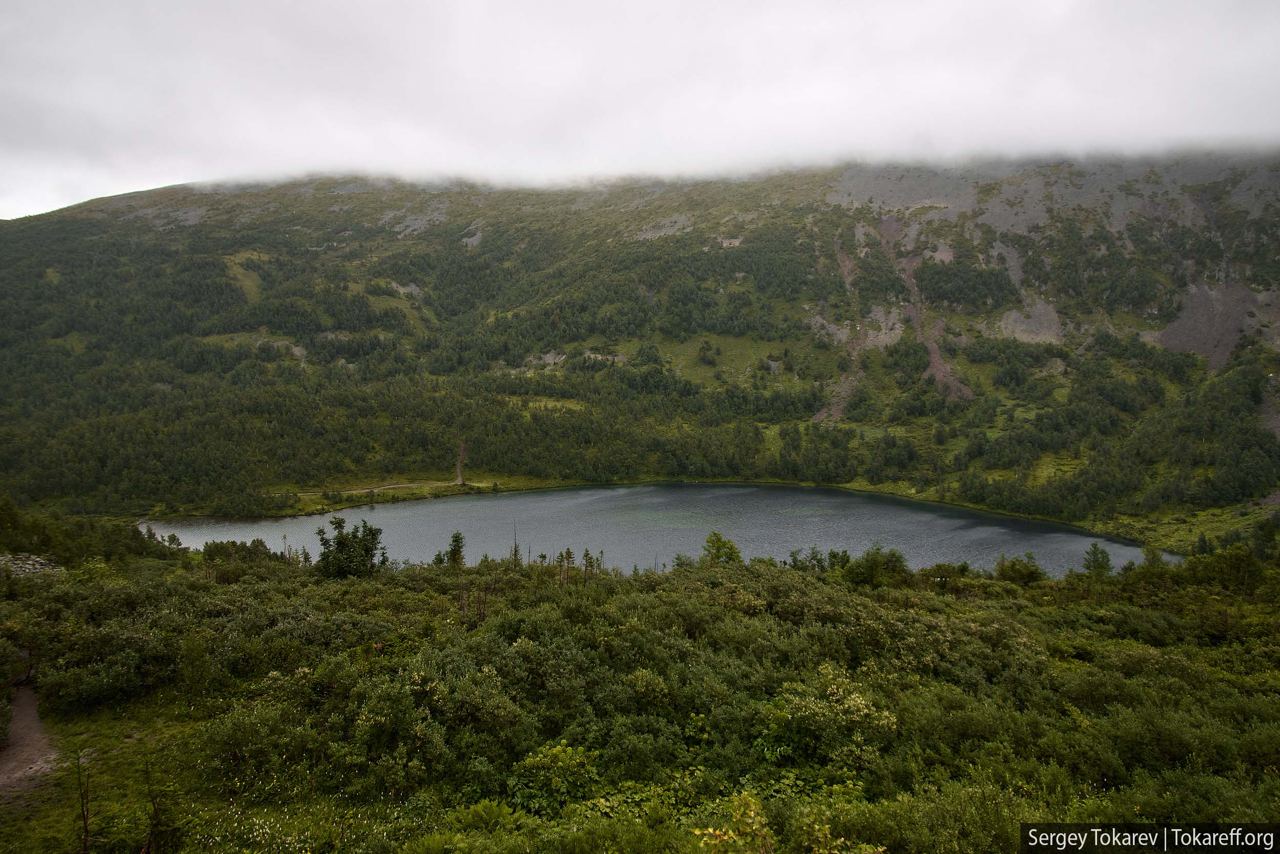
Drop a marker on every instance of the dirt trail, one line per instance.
(368, 489)
(28, 755)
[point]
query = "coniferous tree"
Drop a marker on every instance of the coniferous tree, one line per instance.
(1097, 561)
(347, 553)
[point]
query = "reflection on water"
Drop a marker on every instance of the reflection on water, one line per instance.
(649, 525)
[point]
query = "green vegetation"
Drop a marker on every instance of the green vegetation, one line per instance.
(322, 343)
(349, 553)
(268, 350)
(245, 700)
(966, 285)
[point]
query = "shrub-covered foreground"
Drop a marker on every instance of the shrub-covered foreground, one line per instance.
(238, 700)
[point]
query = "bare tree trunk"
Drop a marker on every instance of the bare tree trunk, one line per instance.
(82, 785)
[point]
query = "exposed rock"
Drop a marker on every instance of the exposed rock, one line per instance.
(838, 333)
(167, 217)
(25, 564)
(1012, 260)
(866, 184)
(549, 359)
(1212, 320)
(892, 230)
(475, 235)
(1018, 196)
(943, 254)
(409, 290)
(675, 224)
(284, 345)
(406, 224)
(882, 328)
(1037, 324)
(416, 223)
(254, 213)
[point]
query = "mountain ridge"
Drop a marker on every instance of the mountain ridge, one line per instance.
(917, 317)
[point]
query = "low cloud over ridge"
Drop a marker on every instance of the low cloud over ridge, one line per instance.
(106, 98)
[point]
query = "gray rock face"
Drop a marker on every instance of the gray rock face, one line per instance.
(1213, 319)
(1017, 196)
(24, 564)
(1038, 323)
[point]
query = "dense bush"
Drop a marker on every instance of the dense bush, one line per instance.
(966, 285)
(558, 706)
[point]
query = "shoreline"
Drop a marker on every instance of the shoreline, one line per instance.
(370, 496)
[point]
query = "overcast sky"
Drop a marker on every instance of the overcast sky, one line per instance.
(106, 97)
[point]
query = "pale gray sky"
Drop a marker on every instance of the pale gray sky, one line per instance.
(106, 97)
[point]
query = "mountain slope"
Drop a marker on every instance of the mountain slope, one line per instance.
(1007, 334)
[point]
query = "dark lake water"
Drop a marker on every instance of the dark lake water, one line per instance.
(648, 526)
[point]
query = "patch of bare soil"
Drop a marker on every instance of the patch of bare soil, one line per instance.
(28, 756)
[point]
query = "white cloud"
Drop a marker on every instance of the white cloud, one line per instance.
(99, 98)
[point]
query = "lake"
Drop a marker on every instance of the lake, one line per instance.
(647, 526)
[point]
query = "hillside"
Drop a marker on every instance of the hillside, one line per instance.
(1094, 342)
